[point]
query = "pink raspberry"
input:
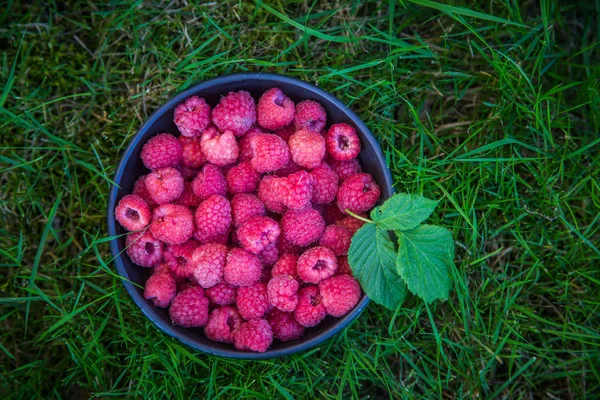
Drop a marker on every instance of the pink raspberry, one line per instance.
(257, 233)
(275, 110)
(325, 184)
(246, 152)
(302, 227)
(236, 112)
(283, 292)
(310, 310)
(188, 198)
(189, 309)
(251, 301)
(178, 256)
(342, 142)
(219, 149)
(208, 182)
(269, 255)
(340, 294)
(192, 155)
(133, 213)
(187, 173)
(345, 168)
(310, 115)
(192, 116)
(290, 168)
(331, 213)
(286, 265)
(242, 178)
(245, 206)
(358, 193)
(208, 264)
(307, 148)
(269, 152)
(222, 294)
(163, 150)
(255, 335)
(223, 324)
(316, 264)
(351, 223)
(213, 217)
(160, 289)
(284, 326)
(286, 132)
(242, 268)
(164, 185)
(295, 190)
(343, 266)
(144, 249)
(172, 224)
(140, 189)
(268, 193)
(337, 239)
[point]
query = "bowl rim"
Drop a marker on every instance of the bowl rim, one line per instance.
(145, 306)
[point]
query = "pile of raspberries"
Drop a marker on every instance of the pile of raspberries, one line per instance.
(243, 220)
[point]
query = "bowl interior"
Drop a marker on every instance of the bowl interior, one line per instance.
(161, 121)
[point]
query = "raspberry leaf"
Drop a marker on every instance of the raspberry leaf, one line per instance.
(372, 259)
(403, 211)
(425, 256)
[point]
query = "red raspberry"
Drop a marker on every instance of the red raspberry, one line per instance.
(133, 213)
(246, 152)
(188, 198)
(358, 193)
(351, 223)
(245, 206)
(242, 268)
(332, 213)
(192, 155)
(160, 289)
(162, 268)
(219, 149)
(164, 185)
(251, 301)
(283, 292)
(269, 255)
(255, 335)
(286, 265)
(310, 115)
(192, 116)
(343, 266)
(242, 178)
(342, 142)
(325, 184)
(236, 112)
(172, 224)
(189, 309)
(295, 190)
(223, 324)
(208, 263)
(316, 264)
(213, 217)
(340, 294)
(290, 168)
(307, 148)
(337, 239)
(143, 249)
(178, 256)
(268, 193)
(208, 182)
(302, 227)
(222, 294)
(284, 326)
(275, 110)
(163, 150)
(269, 152)
(140, 189)
(345, 168)
(310, 310)
(286, 132)
(257, 233)
(187, 173)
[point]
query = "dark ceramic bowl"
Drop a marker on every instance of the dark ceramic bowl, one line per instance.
(131, 168)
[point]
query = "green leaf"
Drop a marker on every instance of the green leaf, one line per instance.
(372, 259)
(403, 212)
(425, 256)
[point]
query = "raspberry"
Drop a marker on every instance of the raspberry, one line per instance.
(172, 223)
(245, 206)
(246, 152)
(219, 149)
(343, 266)
(208, 263)
(275, 110)
(187, 173)
(189, 309)
(164, 185)
(133, 213)
(192, 116)
(252, 301)
(222, 294)
(213, 217)
(242, 268)
(242, 178)
(163, 150)
(290, 168)
(337, 239)
(302, 227)
(325, 184)
(192, 155)
(351, 223)
(358, 193)
(332, 213)
(208, 182)
(307, 148)
(160, 289)
(221, 238)
(284, 326)
(269, 152)
(286, 265)
(295, 190)
(140, 189)
(345, 168)
(161, 268)
(310, 115)
(223, 324)
(342, 142)
(310, 310)
(178, 256)
(282, 292)
(269, 255)
(257, 233)
(268, 193)
(255, 335)
(188, 198)
(340, 294)
(286, 132)
(316, 264)
(285, 246)
(144, 249)
(235, 112)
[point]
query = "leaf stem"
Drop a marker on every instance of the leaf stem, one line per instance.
(367, 220)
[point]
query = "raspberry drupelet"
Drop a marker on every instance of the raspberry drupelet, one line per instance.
(133, 213)
(275, 110)
(192, 116)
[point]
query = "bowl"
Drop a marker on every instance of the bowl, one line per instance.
(131, 167)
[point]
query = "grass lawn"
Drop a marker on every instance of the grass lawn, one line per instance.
(492, 107)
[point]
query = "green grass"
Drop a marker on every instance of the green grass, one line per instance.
(500, 120)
